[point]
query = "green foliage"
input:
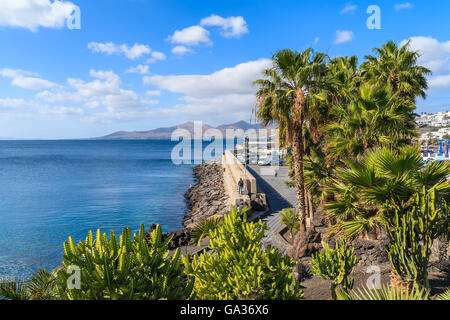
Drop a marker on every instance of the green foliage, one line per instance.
(368, 192)
(289, 218)
(128, 269)
(385, 293)
(238, 267)
(204, 227)
(444, 296)
(335, 265)
(40, 286)
(395, 190)
(412, 235)
(373, 118)
(397, 67)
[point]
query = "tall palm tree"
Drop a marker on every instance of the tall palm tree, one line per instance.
(285, 96)
(397, 67)
(343, 82)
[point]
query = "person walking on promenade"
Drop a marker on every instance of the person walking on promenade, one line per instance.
(240, 185)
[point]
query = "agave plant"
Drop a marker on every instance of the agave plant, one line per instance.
(385, 293)
(40, 286)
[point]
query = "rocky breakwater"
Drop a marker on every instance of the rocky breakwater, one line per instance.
(207, 198)
(204, 200)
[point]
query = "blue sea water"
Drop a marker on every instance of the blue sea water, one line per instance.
(52, 189)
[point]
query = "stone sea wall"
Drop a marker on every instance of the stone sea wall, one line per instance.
(207, 197)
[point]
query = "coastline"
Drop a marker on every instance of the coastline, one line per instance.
(204, 199)
(207, 198)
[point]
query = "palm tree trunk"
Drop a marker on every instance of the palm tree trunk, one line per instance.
(311, 207)
(299, 151)
(299, 175)
(308, 208)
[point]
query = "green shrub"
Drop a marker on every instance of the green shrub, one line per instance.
(335, 265)
(289, 218)
(128, 269)
(238, 268)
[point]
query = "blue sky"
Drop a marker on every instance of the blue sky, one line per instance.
(142, 64)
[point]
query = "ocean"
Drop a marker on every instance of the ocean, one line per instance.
(52, 189)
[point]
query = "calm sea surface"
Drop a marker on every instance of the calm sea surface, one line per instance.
(52, 189)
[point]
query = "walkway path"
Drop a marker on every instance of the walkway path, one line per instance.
(279, 196)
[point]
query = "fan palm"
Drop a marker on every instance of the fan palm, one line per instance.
(204, 227)
(287, 95)
(369, 191)
(344, 78)
(40, 286)
(385, 293)
(397, 67)
(371, 119)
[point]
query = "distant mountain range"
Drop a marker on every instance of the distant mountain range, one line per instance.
(166, 133)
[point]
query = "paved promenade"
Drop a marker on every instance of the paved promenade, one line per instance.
(279, 196)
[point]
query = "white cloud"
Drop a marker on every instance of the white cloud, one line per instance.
(156, 56)
(153, 93)
(61, 111)
(140, 69)
(232, 27)
(440, 82)
(348, 8)
(403, 6)
(225, 95)
(108, 48)
(181, 50)
(12, 103)
(26, 80)
(100, 99)
(192, 36)
(343, 36)
(135, 52)
(106, 83)
(237, 79)
(32, 14)
(103, 97)
(59, 95)
(434, 55)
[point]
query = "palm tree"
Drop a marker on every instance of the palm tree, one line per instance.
(345, 79)
(40, 286)
(371, 119)
(370, 191)
(397, 67)
(395, 191)
(286, 95)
